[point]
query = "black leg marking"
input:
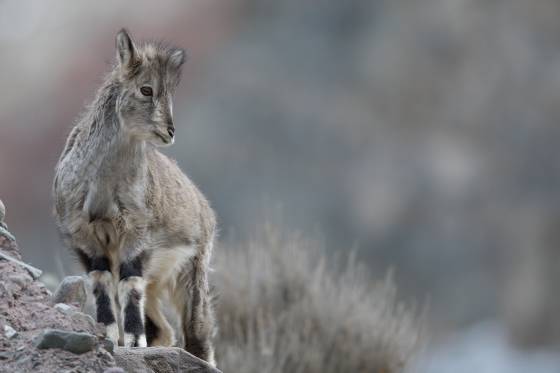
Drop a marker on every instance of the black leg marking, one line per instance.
(152, 331)
(131, 268)
(102, 300)
(93, 263)
(100, 263)
(84, 259)
(131, 293)
(133, 323)
(103, 303)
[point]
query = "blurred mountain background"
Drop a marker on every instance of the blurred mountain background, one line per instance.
(422, 133)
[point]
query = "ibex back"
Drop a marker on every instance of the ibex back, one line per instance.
(140, 228)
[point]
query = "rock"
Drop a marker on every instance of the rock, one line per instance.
(34, 272)
(2, 211)
(114, 370)
(5, 291)
(25, 305)
(44, 289)
(65, 308)
(76, 315)
(4, 355)
(72, 289)
(21, 279)
(75, 342)
(3, 226)
(80, 316)
(9, 332)
(108, 345)
(160, 360)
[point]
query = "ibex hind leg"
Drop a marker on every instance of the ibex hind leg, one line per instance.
(158, 330)
(99, 272)
(197, 315)
(131, 293)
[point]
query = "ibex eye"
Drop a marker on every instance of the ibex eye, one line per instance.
(147, 91)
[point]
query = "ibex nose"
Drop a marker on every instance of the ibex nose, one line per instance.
(171, 130)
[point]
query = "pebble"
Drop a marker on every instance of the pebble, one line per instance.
(9, 332)
(108, 345)
(76, 342)
(64, 308)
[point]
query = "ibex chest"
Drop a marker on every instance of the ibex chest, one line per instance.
(101, 189)
(114, 200)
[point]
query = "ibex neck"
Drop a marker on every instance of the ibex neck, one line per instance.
(111, 150)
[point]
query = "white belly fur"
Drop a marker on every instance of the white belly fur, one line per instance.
(165, 264)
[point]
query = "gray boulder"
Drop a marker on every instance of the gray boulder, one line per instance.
(75, 342)
(160, 360)
(72, 290)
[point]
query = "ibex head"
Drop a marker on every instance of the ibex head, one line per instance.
(147, 75)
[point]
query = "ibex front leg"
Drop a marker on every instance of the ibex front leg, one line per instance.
(131, 298)
(99, 272)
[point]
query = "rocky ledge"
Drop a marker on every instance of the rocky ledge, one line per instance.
(43, 332)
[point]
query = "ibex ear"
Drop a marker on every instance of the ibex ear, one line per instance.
(177, 58)
(127, 54)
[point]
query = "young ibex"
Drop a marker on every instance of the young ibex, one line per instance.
(139, 226)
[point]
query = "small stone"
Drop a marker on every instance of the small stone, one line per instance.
(108, 345)
(23, 359)
(82, 317)
(9, 332)
(64, 308)
(75, 342)
(71, 290)
(114, 370)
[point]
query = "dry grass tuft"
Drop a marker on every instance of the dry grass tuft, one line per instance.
(284, 308)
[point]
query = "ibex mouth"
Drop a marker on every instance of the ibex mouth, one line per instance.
(163, 138)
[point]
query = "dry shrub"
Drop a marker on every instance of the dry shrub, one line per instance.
(284, 308)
